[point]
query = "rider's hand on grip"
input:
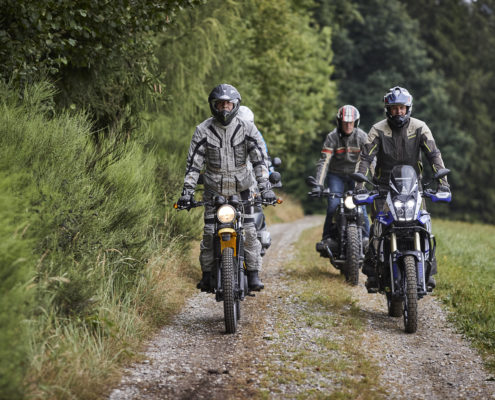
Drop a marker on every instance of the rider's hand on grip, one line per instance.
(316, 190)
(185, 201)
(443, 188)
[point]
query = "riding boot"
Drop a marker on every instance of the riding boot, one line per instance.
(204, 283)
(431, 284)
(369, 270)
(254, 281)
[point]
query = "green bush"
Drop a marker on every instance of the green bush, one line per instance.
(79, 225)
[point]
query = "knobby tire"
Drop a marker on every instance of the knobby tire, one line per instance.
(353, 255)
(411, 298)
(228, 284)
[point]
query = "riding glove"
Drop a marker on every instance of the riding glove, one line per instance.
(443, 188)
(316, 190)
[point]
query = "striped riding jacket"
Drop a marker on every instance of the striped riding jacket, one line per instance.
(339, 154)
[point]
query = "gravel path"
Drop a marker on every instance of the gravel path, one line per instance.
(192, 358)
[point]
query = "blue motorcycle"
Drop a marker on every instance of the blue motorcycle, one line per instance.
(402, 242)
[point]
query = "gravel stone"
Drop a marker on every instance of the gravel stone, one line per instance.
(193, 358)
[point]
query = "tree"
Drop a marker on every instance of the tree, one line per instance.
(98, 52)
(377, 45)
(272, 53)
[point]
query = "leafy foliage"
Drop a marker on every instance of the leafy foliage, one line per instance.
(272, 53)
(98, 52)
(77, 222)
(464, 54)
(377, 46)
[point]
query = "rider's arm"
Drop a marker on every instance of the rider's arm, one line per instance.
(430, 149)
(369, 150)
(327, 151)
(195, 160)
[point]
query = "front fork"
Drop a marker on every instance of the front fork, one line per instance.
(228, 237)
(396, 256)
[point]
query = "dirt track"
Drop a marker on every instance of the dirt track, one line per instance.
(192, 358)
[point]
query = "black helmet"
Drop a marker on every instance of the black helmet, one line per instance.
(224, 92)
(347, 113)
(398, 96)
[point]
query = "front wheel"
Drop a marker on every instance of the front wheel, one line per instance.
(230, 301)
(411, 295)
(353, 255)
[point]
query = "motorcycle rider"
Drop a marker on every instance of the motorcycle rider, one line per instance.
(339, 156)
(223, 144)
(396, 140)
(263, 234)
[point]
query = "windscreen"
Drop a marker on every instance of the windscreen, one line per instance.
(403, 179)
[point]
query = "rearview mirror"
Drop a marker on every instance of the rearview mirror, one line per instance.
(441, 173)
(275, 177)
(311, 181)
(359, 177)
(276, 162)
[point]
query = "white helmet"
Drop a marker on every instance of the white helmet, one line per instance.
(246, 114)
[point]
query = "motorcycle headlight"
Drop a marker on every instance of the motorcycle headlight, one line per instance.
(405, 209)
(349, 203)
(226, 214)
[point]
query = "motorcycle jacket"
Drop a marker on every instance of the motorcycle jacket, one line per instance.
(399, 146)
(224, 151)
(339, 154)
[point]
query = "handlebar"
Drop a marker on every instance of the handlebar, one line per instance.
(249, 202)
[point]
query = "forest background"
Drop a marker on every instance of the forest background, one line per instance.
(99, 101)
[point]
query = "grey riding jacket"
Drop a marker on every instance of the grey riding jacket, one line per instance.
(224, 151)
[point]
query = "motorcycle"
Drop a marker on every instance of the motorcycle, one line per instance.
(259, 218)
(346, 253)
(402, 242)
(230, 276)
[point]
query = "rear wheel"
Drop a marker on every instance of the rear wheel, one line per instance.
(411, 298)
(353, 255)
(228, 283)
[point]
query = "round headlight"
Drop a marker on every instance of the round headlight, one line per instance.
(349, 203)
(226, 214)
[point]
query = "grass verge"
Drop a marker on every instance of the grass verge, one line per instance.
(466, 283)
(316, 354)
(71, 362)
(288, 211)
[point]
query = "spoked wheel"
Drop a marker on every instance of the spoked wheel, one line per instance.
(230, 307)
(411, 298)
(353, 255)
(394, 306)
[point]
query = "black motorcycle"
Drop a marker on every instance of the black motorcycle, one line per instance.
(345, 247)
(402, 242)
(230, 283)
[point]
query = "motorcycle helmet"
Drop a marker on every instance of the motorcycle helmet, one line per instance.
(246, 114)
(398, 96)
(224, 92)
(347, 113)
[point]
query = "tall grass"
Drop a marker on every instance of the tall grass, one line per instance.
(466, 283)
(91, 261)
